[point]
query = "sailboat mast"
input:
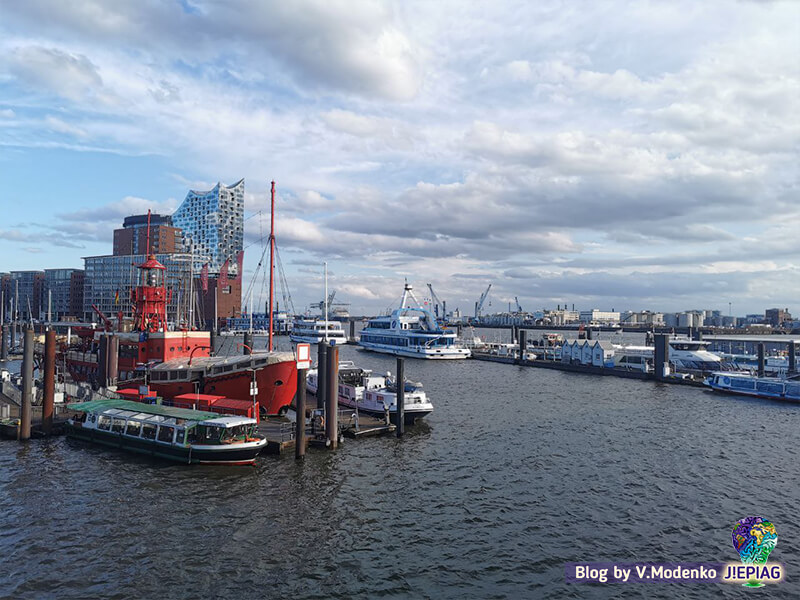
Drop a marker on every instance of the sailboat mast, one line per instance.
(326, 301)
(271, 261)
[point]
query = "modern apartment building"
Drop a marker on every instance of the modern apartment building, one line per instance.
(213, 226)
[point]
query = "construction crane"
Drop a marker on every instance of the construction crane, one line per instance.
(519, 308)
(321, 304)
(479, 303)
(436, 303)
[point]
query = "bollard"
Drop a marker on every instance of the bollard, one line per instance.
(401, 398)
(792, 358)
(761, 348)
(27, 386)
(49, 380)
(300, 420)
(322, 373)
(247, 346)
(4, 344)
(523, 345)
(332, 417)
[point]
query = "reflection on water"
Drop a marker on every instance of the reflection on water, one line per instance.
(517, 471)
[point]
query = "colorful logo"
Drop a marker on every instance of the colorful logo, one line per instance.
(754, 538)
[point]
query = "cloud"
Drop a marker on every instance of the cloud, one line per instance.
(527, 140)
(51, 70)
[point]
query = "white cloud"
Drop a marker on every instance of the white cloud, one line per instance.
(587, 142)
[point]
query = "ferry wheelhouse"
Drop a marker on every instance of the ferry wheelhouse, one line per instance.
(177, 434)
(314, 331)
(762, 387)
(373, 394)
(411, 331)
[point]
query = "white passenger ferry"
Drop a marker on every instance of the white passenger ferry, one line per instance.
(375, 394)
(686, 355)
(745, 384)
(411, 331)
(314, 331)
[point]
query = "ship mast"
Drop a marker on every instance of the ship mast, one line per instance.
(271, 262)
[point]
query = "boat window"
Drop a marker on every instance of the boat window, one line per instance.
(232, 435)
(179, 435)
(165, 433)
(149, 431)
(104, 423)
(118, 425)
(134, 428)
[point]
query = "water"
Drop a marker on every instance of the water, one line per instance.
(517, 471)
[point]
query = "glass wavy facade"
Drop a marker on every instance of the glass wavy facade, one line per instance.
(213, 225)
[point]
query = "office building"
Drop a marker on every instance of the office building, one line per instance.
(26, 288)
(132, 238)
(60, 291)
(106, 276)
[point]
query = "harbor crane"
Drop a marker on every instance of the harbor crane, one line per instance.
(519, 308)
(479, 303)
(436, 303)
(321, 304)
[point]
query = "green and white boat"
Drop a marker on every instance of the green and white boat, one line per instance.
(182, 435)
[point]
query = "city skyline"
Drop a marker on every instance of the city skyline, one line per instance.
(650, 163)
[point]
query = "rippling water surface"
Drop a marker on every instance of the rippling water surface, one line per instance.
(518, 471)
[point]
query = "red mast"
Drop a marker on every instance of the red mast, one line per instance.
(271, 262)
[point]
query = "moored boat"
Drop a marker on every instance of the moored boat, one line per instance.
(177, 434)
(373, 394)
(411, 331)
(744, 384)
(314, 331)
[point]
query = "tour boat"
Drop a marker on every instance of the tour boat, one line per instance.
(411, 331)
(177, 434)
(314, 331)
(748, 385)
(373, 394)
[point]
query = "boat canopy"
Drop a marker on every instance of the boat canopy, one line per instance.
(139, 407)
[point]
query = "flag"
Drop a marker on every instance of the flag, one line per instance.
(239, 261)
(223, 275)
(204, 277)
(116, 297)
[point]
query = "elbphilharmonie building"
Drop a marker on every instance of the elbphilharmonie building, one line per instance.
(213, 225)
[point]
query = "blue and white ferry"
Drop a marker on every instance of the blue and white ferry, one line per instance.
(411, 331)
(749, 385)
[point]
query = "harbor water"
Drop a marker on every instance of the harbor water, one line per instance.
(518, 471)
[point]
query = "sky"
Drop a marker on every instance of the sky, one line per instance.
(614, 155)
